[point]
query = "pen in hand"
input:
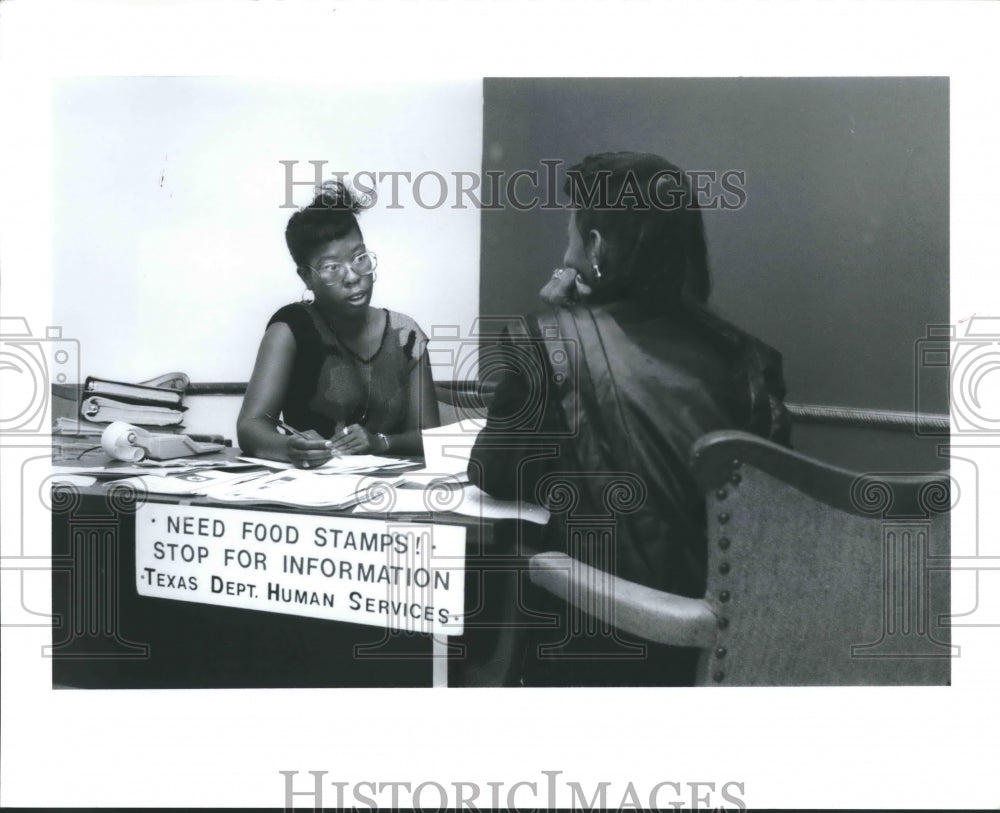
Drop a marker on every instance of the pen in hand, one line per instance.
(282, 425)
(291, 430)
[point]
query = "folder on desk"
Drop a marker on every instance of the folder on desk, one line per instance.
(133, 393)
(157, 402)
(99, 409)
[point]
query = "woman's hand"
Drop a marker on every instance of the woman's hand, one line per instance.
(564, 287)
(352, 439)
(309, 449)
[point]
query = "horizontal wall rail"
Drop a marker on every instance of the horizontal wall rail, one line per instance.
(471, 393)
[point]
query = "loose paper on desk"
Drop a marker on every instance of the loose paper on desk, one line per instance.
(469, 501)
(79, 480)
(115, 471)
(447, 450)
(348, 464)
(157, 468)
(198, 463)
(193, 482)
(301, 488)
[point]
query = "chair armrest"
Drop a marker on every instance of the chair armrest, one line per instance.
(651, 614)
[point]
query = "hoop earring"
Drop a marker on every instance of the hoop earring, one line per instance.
(597, 270)
(308, 297)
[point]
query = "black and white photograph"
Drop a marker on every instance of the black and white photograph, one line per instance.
(385, 429)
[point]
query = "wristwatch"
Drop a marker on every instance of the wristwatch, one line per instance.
(385, 441)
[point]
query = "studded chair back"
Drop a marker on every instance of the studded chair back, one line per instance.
(817, 575)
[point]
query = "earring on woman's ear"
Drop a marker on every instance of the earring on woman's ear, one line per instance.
(308, 297)
(597, 270)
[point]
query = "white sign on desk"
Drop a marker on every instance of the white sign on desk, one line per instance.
(401, 575)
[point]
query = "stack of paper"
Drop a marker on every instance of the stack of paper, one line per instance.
(74, 426)
(108, 410)
(108, 401)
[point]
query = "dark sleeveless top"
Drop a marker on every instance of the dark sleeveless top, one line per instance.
(330, 384)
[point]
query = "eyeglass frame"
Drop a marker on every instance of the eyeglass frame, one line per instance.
(345, 267)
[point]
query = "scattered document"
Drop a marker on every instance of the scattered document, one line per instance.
(107, 472)
(193, 483)
(161, 468)
(447, 450)
(422, 478)
(299, 488)
(79, 480)
(348, 464)
(364, 464)
(481, 504)
(196, 463)
(468, 500)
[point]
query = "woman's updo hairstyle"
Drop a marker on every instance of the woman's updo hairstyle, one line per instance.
(331, 216)
(644, 208)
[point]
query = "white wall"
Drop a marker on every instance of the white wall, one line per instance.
(169, 252)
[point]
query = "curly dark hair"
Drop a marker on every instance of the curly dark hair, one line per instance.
(332, 214)
(645, 210)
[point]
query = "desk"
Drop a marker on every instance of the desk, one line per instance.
(106, 635)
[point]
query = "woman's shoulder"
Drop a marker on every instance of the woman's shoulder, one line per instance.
(735, 338)
(410, 338)
(303, 321)
(401, 321)
(294, 315)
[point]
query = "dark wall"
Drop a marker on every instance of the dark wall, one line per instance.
(839, 256)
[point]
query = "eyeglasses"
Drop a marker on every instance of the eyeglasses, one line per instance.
(331, 272)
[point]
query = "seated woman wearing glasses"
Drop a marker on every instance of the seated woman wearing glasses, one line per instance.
(346, 378)
(606, 394)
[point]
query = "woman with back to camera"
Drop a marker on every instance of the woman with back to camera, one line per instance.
(350, 378)
(621, 376)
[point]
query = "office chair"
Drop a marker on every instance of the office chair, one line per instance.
(816, 575)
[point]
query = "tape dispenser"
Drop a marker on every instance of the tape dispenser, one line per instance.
(123, 441)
